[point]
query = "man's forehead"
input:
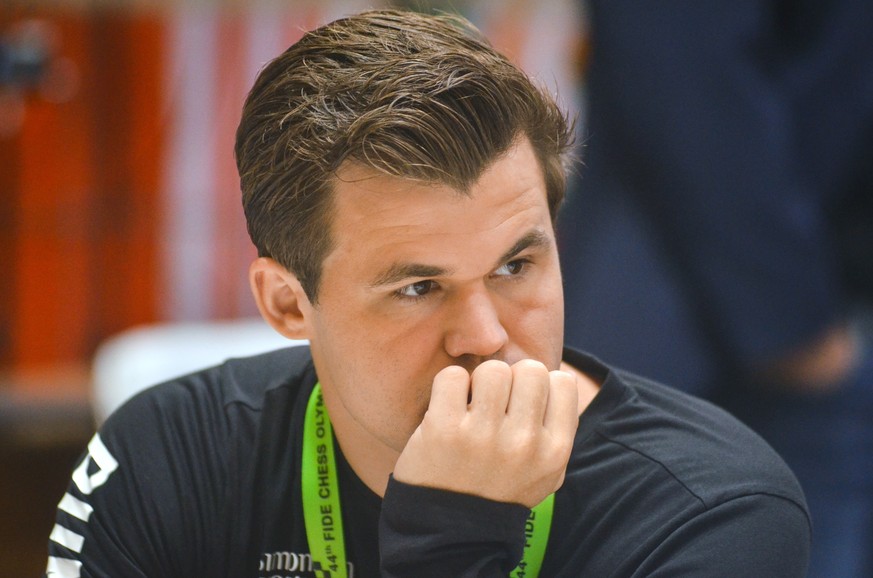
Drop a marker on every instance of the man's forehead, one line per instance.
(381, 212)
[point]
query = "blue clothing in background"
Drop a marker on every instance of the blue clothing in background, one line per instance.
(723, 219)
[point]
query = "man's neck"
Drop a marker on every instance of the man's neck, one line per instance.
(371, 460)
(587, 386)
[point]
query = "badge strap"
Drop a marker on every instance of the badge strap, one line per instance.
(323, 517)
(321, 502)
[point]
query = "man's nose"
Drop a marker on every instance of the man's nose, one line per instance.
(474, 326)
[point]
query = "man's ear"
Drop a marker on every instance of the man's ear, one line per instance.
(280, 298)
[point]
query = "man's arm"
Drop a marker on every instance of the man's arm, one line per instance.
(124, 511)
(425, 532)
(492, 445)
(101, 524)
(756, 535)
(81, 542)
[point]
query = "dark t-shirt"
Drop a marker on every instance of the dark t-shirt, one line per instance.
(201, 477)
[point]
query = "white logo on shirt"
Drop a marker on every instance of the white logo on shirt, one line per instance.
(60, 567)
(272, 564)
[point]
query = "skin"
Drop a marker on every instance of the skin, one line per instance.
(438, 332)
(820, 367)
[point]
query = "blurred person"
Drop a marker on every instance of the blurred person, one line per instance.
(721, 236)
(401, 181)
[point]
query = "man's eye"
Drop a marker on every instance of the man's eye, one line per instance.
(418, 289)
(512, 268)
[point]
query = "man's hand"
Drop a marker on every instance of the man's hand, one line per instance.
(822, 366)
(510, 443)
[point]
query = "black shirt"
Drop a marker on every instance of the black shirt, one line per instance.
(201, 477)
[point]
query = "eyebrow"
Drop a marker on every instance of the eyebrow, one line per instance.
(399, 272)
(536, 239)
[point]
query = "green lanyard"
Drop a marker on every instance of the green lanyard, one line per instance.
(323, 517)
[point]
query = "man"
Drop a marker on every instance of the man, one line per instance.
(401, 181)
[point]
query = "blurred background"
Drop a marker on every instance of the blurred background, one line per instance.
(718, 234)
(119, 199)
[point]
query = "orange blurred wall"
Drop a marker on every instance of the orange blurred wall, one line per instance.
(79, 182)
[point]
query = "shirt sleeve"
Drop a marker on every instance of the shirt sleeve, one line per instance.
(757, 535)
(425, 532)
(142, 499)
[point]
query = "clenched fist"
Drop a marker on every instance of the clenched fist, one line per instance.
(510, 443)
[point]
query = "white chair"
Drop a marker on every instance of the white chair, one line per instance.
(130, 361)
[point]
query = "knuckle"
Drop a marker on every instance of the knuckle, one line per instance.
(556, 450)
(529, 367)
(562, 379)
(492, 368)
(452, 374)
(524, 442)
(561, 449)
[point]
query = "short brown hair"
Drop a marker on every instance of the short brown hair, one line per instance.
(410, 95)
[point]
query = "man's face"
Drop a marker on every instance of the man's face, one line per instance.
(422, 277)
